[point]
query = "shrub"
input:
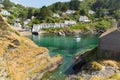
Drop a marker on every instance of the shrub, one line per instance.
(110, 63)
(96, 66)
(80, 78)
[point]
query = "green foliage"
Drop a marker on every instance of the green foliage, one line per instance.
(110, 5)
(74, 4)
(102, 24)
(44, 13)
(35, 21)
(10, 19)
(117, 14)
(7, 4)
(80, 78)
(50, 20)
(81, 26)
(96, 66)
(31, 12)
(59, 6)
(30, 24)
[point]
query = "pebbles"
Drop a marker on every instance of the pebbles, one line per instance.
(87, 75)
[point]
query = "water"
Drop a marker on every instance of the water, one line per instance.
(67, 47)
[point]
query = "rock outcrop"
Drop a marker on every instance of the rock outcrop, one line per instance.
(20, 58)
(109, 44)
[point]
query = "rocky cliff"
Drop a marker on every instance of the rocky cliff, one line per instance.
(101, 63)
(20, 58)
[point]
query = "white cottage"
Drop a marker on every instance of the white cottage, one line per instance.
(66, 22)
(91, 12)
(70, 12)
(5, 12)
(27, 21)
(56, 15)
(84, 19)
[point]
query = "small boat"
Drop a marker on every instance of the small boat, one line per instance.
(35, 33)
(77, 38)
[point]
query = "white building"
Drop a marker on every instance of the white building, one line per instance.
(38, 27)
(5, 12)
(91, 12)
(56, 15)
(18, 25)
(70, 12)
(1, 5)
(26, 21)
(106, 12)
(84, 19)
(80, 0)
(66, 22)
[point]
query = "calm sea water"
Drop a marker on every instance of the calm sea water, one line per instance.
(67, 47)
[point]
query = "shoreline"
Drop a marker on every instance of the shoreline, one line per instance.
(63, 32)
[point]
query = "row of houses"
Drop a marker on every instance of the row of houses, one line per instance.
(71, 12)
(38, 27)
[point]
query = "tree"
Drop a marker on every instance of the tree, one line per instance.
(83, 12)
(7, 4)
(117, 14)
(44, 13)
(31, 12)
(74, 4)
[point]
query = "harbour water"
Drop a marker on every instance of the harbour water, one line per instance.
(67, 47)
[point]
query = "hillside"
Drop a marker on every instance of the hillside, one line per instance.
(20, 58)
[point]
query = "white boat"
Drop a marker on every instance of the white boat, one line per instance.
(77, 39)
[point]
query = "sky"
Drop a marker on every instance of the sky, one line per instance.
(37, 3)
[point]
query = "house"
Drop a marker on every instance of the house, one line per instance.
(81, 0)
(17, 25)
(66, 22)
(26, 21)
(91, 12)
(109, 44)
(106, 12)
(5, 12)
(1, 5)
(56, 15)
(83, 19)
(70, 12)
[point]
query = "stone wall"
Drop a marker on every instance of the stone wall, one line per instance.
(109, 44)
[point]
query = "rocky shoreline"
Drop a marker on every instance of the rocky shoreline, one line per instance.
(74, 32)
(89, 67)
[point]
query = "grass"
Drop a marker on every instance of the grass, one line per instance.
(96, 66)
(80, 78)
(22, 60)
(110, 63)
(81, 26)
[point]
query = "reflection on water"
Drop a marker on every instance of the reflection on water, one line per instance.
(67, 46)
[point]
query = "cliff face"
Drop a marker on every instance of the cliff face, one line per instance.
(109, 44)
(20, 58)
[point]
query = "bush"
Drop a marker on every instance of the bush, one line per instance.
(110, 63)
(96, 66)
(102, 24)
(80, 78)
(83, 26)
(35, 21)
